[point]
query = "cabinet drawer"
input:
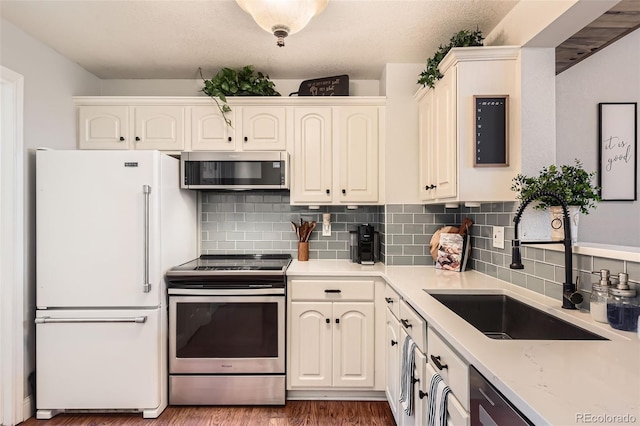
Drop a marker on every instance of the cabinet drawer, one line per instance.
(331, 290)
(456, 372)
(414, 325)
(392, 300)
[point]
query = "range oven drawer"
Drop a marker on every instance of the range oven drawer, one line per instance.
(227, 390)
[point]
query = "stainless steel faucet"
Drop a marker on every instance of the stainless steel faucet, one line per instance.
(570, 297)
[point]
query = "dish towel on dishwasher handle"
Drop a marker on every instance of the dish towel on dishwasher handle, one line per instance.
(406, 375)
(437, 401)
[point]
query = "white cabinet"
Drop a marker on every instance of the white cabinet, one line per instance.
(331, 334)
(257, 128)
(336, 155)
(447, 130)
(392, 365)
(128, 127)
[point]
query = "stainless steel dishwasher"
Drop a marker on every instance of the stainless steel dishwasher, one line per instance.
(488, 407)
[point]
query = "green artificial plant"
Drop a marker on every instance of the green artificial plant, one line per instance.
(570, 182)
(242, 82)
(464, 38)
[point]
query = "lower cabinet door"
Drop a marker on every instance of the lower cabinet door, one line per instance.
(392, 357)
(101, 360)
(456, 414)
(353, 335)
(310, 345)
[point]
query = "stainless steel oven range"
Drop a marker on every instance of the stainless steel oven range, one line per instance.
(227, 330)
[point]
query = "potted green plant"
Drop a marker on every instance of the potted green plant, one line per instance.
(463, 38)
(570, 182)
(242, 82)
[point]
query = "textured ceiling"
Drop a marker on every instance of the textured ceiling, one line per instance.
(116, 39)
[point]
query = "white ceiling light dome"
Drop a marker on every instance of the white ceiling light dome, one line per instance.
(282, 17)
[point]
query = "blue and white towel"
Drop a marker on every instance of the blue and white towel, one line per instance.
(406, 375)
(437, 401)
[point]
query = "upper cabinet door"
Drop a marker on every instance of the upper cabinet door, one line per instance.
(103, 127)
(312, 156)
(159, 127)
(427, 132)
(264, 128)
(446, 142)
(357, 141)
(209, 130)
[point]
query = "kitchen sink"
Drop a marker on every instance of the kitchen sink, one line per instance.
(502, 317)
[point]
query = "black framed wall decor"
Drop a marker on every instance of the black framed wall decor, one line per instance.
(491, 130)
(617, 153)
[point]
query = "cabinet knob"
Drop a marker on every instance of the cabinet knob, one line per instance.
(328, 191)
(246, 139)
(422, 394)
(137, 139)
(394, 342)
(229, 139)
(344, 191)
(433, 187)
(405, 323)
(337, 320)
(388, 300)
(327, 320)
(121, 138)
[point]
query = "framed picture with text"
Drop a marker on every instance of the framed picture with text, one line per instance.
(618, 143)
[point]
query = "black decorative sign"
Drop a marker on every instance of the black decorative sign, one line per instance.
(617, 173)
(327, 86)
(491, 130)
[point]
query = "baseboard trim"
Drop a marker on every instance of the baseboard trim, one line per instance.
(27, 408)
(335, 395)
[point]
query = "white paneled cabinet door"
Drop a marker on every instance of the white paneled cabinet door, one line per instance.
(264, 128)
(311, 331)
(427, 131)
(392, 356)
(445, 152)
(421, 388)
(357, 139)
(312, 156)
(209, 130)
(353, 344)
(159, 127)
(103, 127)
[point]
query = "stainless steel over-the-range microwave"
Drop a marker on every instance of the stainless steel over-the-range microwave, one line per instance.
(234, 170)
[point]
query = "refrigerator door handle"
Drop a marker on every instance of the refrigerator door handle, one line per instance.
(146, 287)
(49, 320)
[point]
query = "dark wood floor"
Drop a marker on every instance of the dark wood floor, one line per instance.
(294, 413)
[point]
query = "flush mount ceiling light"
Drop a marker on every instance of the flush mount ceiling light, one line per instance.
(282, 17)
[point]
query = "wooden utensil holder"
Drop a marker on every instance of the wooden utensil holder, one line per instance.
(303, 251)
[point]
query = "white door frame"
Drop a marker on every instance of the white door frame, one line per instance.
(12, 278)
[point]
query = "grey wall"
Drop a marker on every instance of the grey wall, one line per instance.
(611, 75)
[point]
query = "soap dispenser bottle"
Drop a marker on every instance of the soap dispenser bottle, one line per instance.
(623, 307)
(599, 296)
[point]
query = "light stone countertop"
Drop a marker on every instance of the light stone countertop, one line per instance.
(550, 382)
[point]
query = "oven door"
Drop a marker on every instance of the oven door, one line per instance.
(219, 334)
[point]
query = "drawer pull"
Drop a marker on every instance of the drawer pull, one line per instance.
(388, 299)
(405, 323)
(394, 342)
(439, 365)
(333, 290)
(422, 394)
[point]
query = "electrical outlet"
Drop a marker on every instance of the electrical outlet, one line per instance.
(498, 237)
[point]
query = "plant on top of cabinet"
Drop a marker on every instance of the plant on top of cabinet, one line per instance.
(242, 82)
(570, 182)
(463, 38)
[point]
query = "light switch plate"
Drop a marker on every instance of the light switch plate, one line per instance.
(498, 237)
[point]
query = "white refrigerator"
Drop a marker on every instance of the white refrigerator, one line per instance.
(109, 224)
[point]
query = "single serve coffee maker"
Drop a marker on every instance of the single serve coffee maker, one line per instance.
(365, 245)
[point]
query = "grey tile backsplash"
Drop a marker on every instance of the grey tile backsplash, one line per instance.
(260, 222)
